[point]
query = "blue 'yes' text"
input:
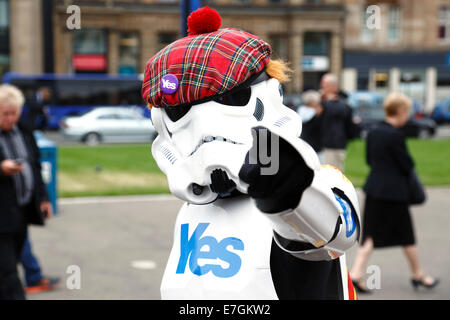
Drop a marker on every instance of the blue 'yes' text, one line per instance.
(191, 250)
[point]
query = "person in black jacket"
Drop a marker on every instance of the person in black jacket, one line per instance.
(387, 220)
(37, 117)
(23, 196)
(311, 112)
(337, 123)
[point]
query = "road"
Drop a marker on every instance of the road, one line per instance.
(443, 132)
(121, 245)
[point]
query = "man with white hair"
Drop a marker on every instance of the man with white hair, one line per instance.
(338, 126)
(23, 196)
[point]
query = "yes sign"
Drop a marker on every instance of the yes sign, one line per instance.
(191, 250)
(169, 85)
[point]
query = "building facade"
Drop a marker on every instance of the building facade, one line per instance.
(398, 45)
(26, 38)
(120, 36)
(5, 51)
(377, 45)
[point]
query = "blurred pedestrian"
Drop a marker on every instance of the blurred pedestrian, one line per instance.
(311, 112)
(38, 109)
(23, 196)
(35, 280)
(337, 122)
(387, 221)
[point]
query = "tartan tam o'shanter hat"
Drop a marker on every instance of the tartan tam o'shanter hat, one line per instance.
(208, 62)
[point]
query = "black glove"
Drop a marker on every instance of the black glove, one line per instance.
(279, 191)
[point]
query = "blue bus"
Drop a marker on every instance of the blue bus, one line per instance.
(75, 94)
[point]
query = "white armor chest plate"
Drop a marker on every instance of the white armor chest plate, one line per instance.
(220, 251)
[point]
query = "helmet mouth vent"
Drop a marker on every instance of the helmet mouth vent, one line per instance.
(210, 139)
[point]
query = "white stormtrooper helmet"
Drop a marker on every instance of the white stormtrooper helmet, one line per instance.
(196, 140)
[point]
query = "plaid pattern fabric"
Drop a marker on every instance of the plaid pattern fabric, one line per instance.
(205, 65)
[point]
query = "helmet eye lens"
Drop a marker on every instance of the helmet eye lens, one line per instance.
(239, 98)
(175, 113)
(235, 98)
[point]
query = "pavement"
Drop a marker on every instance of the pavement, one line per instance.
(120, 246)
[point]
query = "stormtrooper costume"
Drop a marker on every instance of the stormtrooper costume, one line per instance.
(262, 218)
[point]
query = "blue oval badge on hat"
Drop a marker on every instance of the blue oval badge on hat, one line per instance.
(169, 84)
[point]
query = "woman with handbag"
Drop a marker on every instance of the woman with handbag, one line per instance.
(391, 187)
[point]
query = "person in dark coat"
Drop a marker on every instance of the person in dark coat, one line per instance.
(310, 112)
(38, 110)
(23, 196)
(337, 122)
(387, 221)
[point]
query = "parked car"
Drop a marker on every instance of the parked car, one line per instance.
(420, 128)
(108, 124)
(368, 106)
(364, 99)
(417, 111)
(441, 112)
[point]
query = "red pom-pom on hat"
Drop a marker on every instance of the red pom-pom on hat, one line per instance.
(203, 20)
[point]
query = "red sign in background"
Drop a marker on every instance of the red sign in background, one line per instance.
(89, 62)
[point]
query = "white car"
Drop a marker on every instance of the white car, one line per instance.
(109, 124)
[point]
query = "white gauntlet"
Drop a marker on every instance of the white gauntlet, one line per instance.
(326, 222)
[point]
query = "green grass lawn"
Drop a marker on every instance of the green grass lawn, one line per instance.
(131, 169)
(109, 170)
(431, 157)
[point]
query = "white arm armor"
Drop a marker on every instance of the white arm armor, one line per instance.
(326, 221)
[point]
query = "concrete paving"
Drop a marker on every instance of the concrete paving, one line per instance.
(121, 245)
